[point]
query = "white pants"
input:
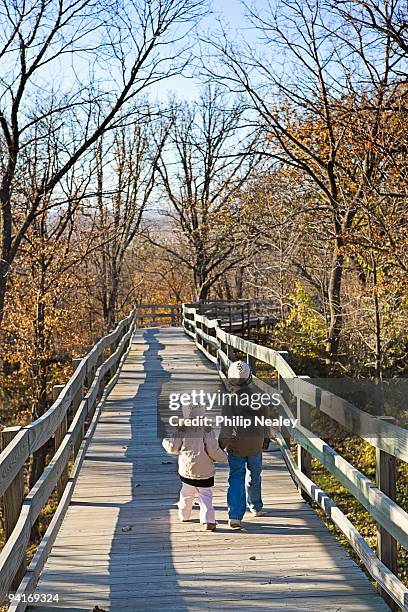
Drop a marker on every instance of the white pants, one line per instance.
(187, 496)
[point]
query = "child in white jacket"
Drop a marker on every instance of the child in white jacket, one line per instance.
(197, 448)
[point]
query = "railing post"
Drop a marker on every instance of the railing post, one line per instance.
(89, 376)
(280, 379)
(58, 438)
(90, 370)
(386, 476)
(304, 459)
(154, 312)
(230, 350)
(204, 329)
(99, 361)
(282, 388)
(196, 336)
(219, 363)
(251, 361)
(77, 398)
(107, 377)
(12, 501)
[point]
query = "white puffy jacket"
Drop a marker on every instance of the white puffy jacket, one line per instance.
(197, 449)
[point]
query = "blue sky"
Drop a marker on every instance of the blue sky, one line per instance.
(231, 13)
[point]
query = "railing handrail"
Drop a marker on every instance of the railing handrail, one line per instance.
(163, 306)
(232, 312)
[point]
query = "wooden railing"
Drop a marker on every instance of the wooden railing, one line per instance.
(298, 396)
(240, 315)
(75, 409)
(150, 315)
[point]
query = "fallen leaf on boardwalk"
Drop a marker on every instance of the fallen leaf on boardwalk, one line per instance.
(98, 609)
(252, 558)
(166, 462)
(138, 484)
(127, 528)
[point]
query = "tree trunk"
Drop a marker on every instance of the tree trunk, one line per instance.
(226, 286)
(4, 268)
(203, 293)
(111, 309)
(200, 273)
(41, 404)
(335, 305)
(239, 279)
(378, 331)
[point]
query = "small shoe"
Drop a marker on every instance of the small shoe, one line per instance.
(234, 524)
(208, 526)
(258, 512)
(183, 520)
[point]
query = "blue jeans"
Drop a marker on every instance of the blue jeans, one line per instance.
(244, 485)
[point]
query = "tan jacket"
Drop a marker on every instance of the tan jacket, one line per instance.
(197, 449)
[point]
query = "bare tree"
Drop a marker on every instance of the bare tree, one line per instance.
(204, 174)
(126, 175)
(108, 53)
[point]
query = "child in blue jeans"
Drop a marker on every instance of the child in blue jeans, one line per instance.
(244, 449)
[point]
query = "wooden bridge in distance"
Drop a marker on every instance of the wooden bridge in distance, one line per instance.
(115, 542)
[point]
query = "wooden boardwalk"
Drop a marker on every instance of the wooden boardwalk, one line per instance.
(121, 546)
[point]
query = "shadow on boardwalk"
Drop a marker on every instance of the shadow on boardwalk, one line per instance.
(148, 548)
